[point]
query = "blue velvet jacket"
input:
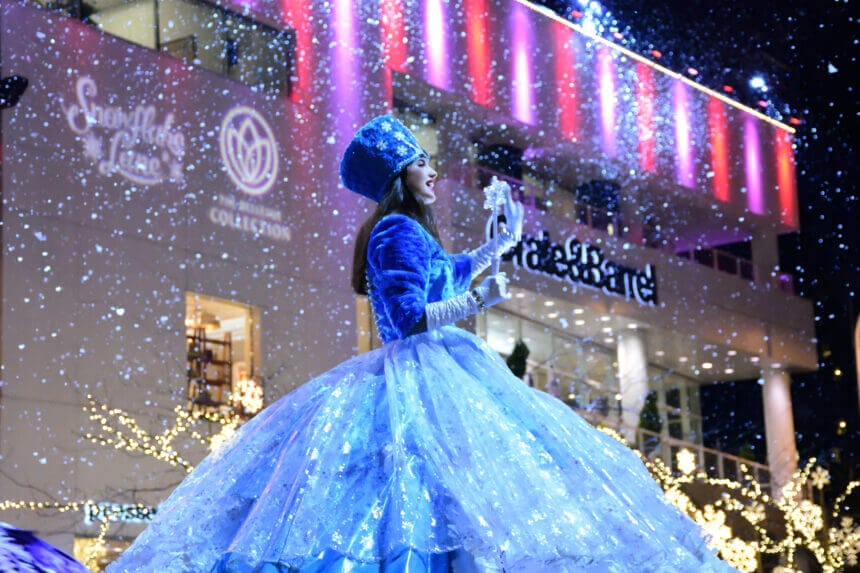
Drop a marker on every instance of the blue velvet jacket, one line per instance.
(406, 269)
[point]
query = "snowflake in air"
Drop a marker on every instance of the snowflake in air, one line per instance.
(93, 146)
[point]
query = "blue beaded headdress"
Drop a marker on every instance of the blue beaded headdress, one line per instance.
(376, 155)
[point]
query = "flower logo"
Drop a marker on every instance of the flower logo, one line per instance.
(249, 150)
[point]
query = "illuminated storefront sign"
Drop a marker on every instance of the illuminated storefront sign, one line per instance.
(581, 263)
(129, 142)
(113, 512)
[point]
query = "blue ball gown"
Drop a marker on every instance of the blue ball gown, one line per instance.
(426, 454)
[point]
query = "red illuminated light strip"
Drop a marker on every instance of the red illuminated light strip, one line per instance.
(645, 94)
(393, 34)
(719, 148)
(786, 179)
(479, 56)
(566, 82)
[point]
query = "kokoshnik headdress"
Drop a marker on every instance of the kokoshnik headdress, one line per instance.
(380, 150)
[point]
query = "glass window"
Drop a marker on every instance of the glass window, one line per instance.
(223, 345)
(200, 33)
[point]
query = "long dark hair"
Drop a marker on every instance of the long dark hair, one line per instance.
(398, 199)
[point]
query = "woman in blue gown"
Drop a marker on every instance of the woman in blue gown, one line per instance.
(426, 454)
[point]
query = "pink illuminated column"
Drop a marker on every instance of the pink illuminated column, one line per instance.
(685, 166)
(786, 178)
(436, 43)
(645, 117)
(718, 134)
(565, 80)
(480, 70)
(521, 47)
(606, 89)
(344, 68)
(752, 165)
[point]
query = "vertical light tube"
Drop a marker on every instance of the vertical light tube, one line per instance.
(645, 94)
(685, 167)
(393, 34)
(752, 156)
(478, 51)
(566, 81)
(719, 148)
(606, 89)
(436, 43)
(785, 177)
(523, 44)
(344, 67)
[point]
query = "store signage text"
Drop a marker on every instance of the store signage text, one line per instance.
(113, 512)
(248, 217)
(132, 143)
(581, 263)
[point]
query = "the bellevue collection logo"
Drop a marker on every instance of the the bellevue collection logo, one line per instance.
(249, 150)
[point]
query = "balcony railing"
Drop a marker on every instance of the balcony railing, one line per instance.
(714, 463)
(534, 195)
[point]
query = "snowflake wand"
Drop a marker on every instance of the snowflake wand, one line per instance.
(494, 196)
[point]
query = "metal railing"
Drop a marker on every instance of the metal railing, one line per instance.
(714, 463)
(534, 195)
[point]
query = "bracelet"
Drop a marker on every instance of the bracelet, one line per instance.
(476, 294)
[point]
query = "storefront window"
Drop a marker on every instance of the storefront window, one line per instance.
(223, 345)
(583, 374)
(98, 553)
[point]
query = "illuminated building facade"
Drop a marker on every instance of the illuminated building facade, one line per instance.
(175, 233)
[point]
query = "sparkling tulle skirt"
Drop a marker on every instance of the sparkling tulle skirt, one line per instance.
(423, 455)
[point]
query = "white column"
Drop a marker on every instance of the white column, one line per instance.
(779, 427)
(765, 256)
(857, 352)
(632, 378)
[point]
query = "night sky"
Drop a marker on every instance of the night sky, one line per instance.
(807, 54)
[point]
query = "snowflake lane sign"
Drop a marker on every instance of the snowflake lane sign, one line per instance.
(131, 143)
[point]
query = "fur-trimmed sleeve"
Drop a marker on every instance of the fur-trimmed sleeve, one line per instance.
(398, 262)
(462, 264)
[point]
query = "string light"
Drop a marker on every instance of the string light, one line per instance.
(805, 525)
(118, 429)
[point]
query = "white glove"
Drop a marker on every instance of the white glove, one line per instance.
(492, 291)
(483, 255)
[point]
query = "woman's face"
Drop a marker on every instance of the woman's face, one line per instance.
(420, 179)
